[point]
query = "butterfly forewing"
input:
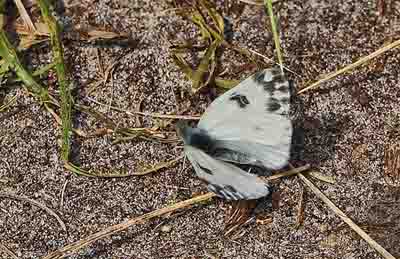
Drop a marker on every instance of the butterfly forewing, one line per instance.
(252, 119)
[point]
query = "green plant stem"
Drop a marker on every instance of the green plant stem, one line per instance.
(269, 9)
(65, 90)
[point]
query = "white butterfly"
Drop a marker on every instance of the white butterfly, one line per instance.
(248, 124)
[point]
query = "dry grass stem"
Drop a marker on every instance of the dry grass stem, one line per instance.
(255, 2)
(57, 118)
(62, 193)
(356, 64)
(69, 249)
(154, 115)
(271, 60)
(158, 167)
(25, 199)
(300, 209)
(25, 16)
(324, 178)
(8, 104)
(89, 173)
(166, 116)
(235, 227)
(288, 173)
(346, 219)
(8, 251)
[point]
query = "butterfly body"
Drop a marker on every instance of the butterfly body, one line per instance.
(195, 137)
(249, 125)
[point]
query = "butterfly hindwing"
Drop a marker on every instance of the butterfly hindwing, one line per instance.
(251, 121)
(226, 180)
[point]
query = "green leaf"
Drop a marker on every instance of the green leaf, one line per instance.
(207, 61)
(226, 84)
(215, 16)
(183, 65)
(4, 67)
(198, 20)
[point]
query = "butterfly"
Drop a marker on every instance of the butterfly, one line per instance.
(247, 125)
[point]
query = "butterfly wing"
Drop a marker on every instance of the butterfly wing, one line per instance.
(250, 122)
(224, 179)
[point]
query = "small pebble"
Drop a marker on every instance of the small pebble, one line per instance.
(166, 228)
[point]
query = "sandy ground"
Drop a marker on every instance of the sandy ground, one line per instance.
(348, 123)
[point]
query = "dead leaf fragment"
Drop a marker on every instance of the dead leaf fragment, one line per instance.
(392, 164)
(359, 158)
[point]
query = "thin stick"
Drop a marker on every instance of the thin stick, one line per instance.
(67, 250)
(346, 219)
(154, 115)
(358, 63)
(271, 60)
(22, 198)
(8, 251)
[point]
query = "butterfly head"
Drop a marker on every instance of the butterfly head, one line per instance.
(183, 130)
(194, 136)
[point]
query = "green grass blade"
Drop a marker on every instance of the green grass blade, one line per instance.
(65, 89)
(207, 61)
(8, 53)
(269, 10)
